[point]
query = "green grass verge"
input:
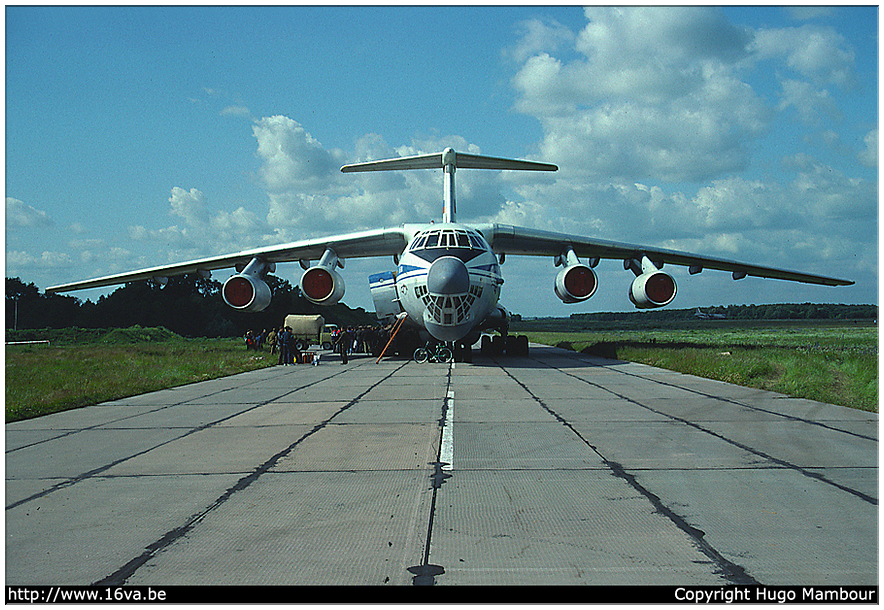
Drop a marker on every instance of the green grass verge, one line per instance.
(106, 366)
(836, 364)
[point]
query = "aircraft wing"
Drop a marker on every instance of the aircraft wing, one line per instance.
(379, 242)
(507, 239)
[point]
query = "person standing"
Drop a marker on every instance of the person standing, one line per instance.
(285, 346)
(343, 345)
(271, 339)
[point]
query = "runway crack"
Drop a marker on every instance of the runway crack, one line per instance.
(97, 471)
(728, 570)
(425, 574)
(121, 575)
(766, 456)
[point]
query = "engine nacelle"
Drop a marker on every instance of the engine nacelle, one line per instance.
(650, 290)
(576, 283)
(322, 285)
(246, 292)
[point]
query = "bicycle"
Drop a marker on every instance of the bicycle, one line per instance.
(437, 353)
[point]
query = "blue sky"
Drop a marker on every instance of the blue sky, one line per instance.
(137, 136)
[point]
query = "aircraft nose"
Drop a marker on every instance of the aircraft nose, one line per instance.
(448, 275)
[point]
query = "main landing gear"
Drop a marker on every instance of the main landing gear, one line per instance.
(496, 345)
(443, 352)
(512, 345)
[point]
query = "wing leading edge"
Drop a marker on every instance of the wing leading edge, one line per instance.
(507, 239)
(380, 242)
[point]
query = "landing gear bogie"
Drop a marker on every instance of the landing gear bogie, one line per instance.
(511, 345)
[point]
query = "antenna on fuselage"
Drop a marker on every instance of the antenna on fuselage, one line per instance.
(449, 161)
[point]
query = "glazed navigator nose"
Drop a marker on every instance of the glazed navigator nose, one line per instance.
(448, 275)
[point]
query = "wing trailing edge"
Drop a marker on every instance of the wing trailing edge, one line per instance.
(507, 239)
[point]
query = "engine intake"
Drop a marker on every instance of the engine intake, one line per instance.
(322, 285)
(650, 290)
(576, 283)
(246, 293)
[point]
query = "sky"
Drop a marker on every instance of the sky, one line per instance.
(139, 136)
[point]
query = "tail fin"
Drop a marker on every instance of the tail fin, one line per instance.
(449, 160)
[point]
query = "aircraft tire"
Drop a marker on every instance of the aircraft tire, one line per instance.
(498, 345)
(485, 346)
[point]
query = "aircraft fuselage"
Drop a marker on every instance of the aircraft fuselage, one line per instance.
(448, 281)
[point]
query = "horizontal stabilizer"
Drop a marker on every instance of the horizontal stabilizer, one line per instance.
(448, 157)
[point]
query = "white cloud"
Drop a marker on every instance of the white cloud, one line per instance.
(664, 93)
(869, 156)
(189, 205)
(655, 93)
(241, 111)
(201, 231)
(537, 35)
(816, 53)
(807, 100)
(653, 119)
(19, 214)
(291, 158)
(18, 261)
(302, 204)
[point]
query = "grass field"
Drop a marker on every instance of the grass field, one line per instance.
(44, 379)
(835, 363)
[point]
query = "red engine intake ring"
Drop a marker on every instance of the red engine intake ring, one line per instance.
(651, 290)
(322, 285)
(246, 293)
(317, 284)
(238, 292)
(576, 283)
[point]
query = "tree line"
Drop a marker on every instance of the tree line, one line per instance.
(777, 311)
(191, 306)
(188, 305)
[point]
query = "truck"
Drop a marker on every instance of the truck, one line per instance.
(310, 330)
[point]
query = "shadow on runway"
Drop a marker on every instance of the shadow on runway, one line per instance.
(539, 357)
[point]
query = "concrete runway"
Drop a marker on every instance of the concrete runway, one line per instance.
(558, 468)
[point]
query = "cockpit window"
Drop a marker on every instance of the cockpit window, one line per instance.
(448, 238)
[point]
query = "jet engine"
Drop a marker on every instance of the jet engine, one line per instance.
(651, 288)
(246, 291)
(575, 282)
(322, 285)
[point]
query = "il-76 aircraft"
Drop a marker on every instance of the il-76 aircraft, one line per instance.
(447, 282)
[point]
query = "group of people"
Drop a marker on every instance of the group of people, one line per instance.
(280, 341)
(359, 339)
(345, 341)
